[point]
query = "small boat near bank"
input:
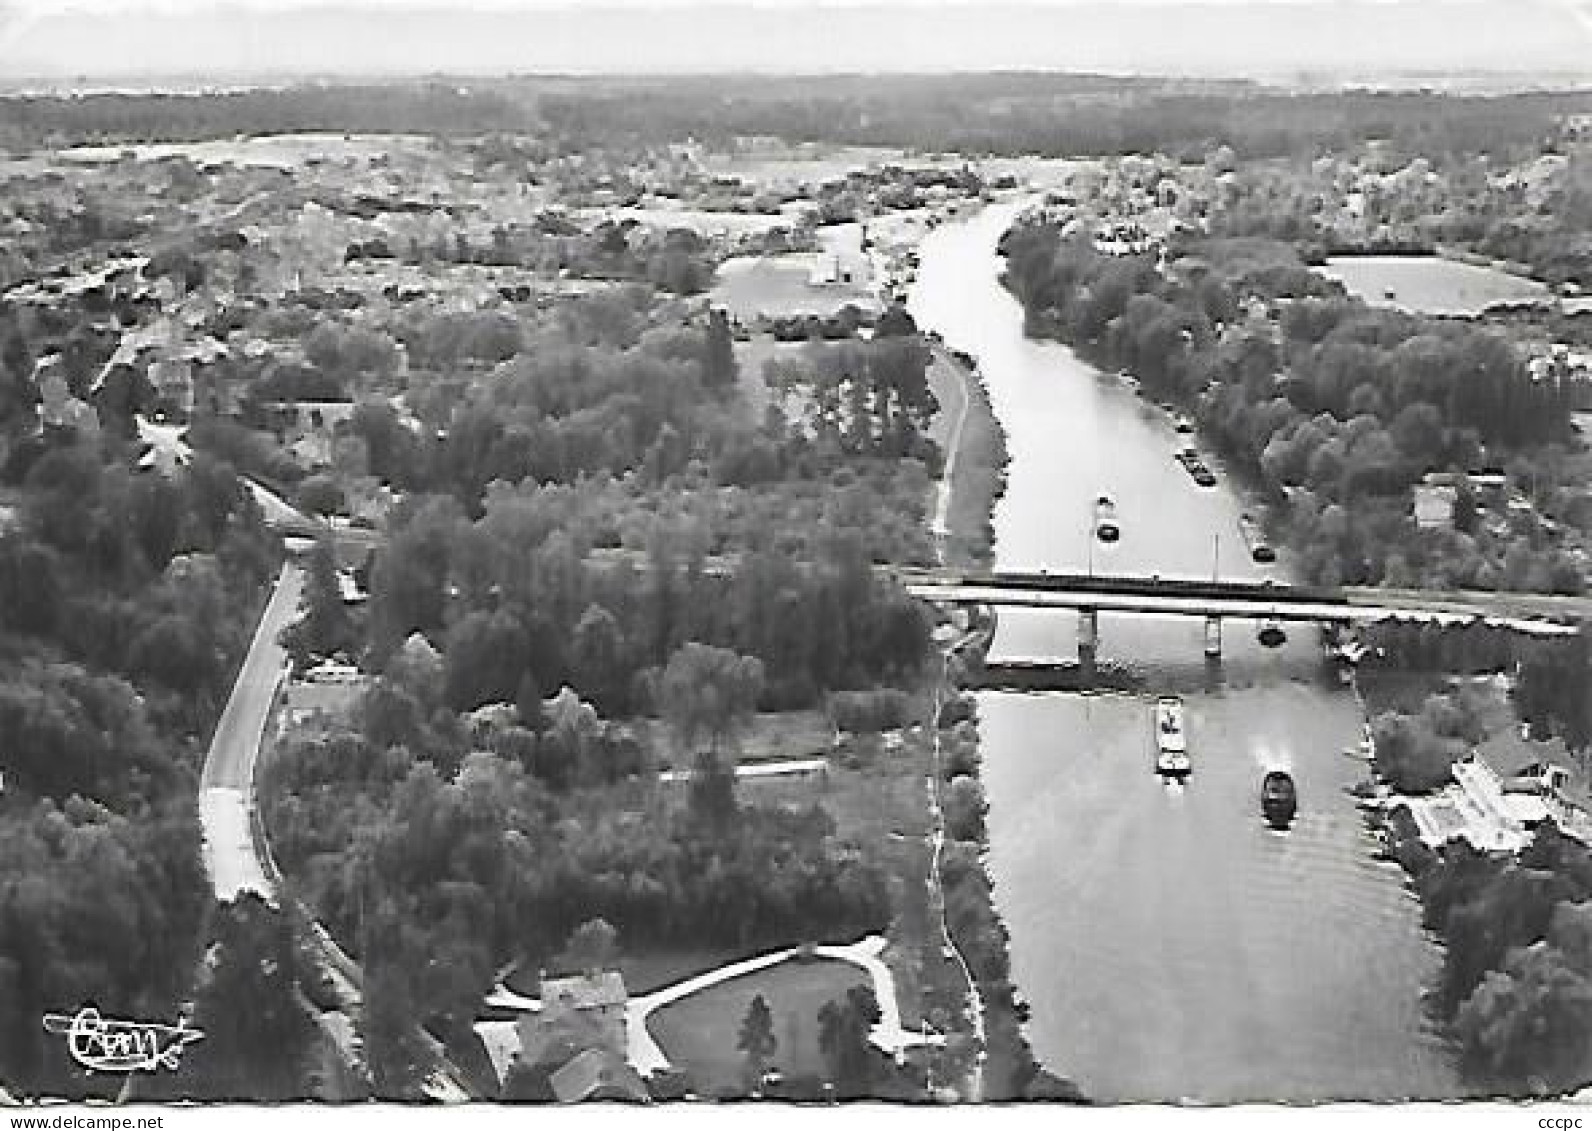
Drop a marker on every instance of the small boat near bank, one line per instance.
(1260, 550)
(1279, 799)
(1198, 470)
(1171, 740)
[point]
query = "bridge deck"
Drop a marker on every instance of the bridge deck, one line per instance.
(1238, 600)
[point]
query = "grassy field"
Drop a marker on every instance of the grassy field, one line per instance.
(322, 704)
(648, 973)
(780, 285)
(770, 736)
(872, 798)
(878, 799)
(698, 1033)
(794, 165)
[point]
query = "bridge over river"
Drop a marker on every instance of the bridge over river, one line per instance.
(1263, 600)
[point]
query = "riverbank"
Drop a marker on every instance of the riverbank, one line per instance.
(974, 443)
(974, 479)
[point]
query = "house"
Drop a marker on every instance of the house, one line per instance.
(1500, 794)
(1434, 504)
(309, 429)
(58, 408)
(172, 380)
(577, 1031)
(599, 998)
(840, 269)
(598, 1074)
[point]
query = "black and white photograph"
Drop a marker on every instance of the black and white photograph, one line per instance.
(964, 560)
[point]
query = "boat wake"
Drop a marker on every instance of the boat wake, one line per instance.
(1269, 758)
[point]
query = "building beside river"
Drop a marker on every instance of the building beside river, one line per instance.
(1501, 793)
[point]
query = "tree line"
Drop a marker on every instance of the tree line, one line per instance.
(1334, 409)
(126, 600)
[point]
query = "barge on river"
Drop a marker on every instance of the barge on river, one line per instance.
(1171, 740)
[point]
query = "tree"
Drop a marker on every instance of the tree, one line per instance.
(325, 627)
(321, 495)
(713, 791)
(1410, 755)
(409, 584)
(843, 1030)
(257, 1035)
(708, 691)
(598, 657)
(718, 366)
(393, 1049)
(756, 1039)
(964, 808)
(485, 656)
(1528, 1027)
(592, 947)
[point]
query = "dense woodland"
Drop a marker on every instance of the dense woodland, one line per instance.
(1055, 115)
(1334, 409)
(126, 600)
(1516, 986)
(601, 533)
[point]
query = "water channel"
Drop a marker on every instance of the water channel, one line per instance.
(1170, 945)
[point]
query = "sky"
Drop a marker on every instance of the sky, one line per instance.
(66, 41)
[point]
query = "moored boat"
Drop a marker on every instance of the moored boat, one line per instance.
(1279, 800)
(1105, 522)
(1171, 741)
(1259, 549)
(1196, 467)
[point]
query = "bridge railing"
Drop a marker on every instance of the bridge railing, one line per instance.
(1130, 586)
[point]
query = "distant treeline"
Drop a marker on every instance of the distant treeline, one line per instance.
(996, 113)
(1056, 115)
(427, 108)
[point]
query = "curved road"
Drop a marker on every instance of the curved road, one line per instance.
(226, 814)
(226, 786)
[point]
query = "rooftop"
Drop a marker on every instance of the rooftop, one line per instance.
(597, 1074)
(586, 991)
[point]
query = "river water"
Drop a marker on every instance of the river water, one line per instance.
(1170, 945)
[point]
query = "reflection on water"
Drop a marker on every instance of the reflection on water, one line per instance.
(1171, 945)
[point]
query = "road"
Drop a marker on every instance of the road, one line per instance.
(226, 805)
(227, 783)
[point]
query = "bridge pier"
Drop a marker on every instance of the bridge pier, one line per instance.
(1088, 635)
(1213, 638)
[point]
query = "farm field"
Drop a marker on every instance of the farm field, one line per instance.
(1430, 285)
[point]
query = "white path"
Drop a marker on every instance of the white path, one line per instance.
(501, 1039)
(769, 769)
(953, 447)
(888, 1035)
(643, 1052)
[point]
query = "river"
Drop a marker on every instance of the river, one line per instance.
(1170, 945)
